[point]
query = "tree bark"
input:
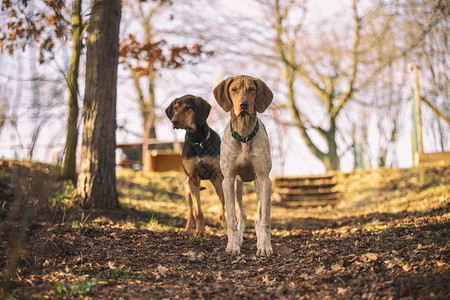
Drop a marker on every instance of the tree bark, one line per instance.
(97, 179)
(68, 171)
(150, 120)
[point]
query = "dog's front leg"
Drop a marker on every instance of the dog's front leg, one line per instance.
(258, 208)
(233, 239)
(242, 215)
(194, 187)
(189, 217)
(219, 191)
(263, 227)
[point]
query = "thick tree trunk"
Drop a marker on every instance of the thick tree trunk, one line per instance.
(97, 179)
(332, 161)
(68, 171)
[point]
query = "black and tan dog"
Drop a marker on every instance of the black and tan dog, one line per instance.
(200, 156)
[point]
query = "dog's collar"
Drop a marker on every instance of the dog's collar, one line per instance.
(246, 139)
(201, 145)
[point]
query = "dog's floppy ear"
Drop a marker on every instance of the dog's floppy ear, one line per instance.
(222, 95)
(202, 109)
(169, 109)
(264, 96)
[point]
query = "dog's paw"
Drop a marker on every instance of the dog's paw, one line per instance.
(264, 251)
(264, 247)
(187, 231)
(200, 233)
(233, 250)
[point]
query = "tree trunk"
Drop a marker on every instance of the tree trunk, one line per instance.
(68, 171)
(147, 108)
(332, 162)
(149, 125)
(97, 179)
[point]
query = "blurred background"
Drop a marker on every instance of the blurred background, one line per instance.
(345, 75)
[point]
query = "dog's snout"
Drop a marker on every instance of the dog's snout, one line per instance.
(244, 105)
(175, 123)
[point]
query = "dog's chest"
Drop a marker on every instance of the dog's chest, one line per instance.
(244, 164)
(205, 167)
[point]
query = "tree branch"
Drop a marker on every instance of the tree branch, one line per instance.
(344, 97)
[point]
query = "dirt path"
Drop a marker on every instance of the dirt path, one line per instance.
(402, 256)
(351, 252)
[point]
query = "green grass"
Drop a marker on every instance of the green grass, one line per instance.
(60, 198)
(126, 273)
(195, 240)
(76, 288)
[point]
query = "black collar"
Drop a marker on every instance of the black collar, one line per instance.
(246, 139)
(201, 145)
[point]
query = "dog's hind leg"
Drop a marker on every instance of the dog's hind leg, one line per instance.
(263, 228)
(217, 183)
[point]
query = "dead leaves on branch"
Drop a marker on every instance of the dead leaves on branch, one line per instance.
(41, 24)
(149, 55)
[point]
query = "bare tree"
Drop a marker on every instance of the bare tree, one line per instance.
(333, 83)
(97, 178)
(147, 53)
(45, 24)
(68, 170)
(429, 22)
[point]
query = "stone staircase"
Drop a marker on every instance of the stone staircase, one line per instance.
(298, 191)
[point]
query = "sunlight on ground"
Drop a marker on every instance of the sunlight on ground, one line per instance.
(390, 229)
(383, 191)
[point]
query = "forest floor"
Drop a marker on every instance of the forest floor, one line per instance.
(387, 239)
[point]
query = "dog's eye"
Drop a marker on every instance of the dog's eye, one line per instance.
(186, 108)
(252, 88)
(234, 89)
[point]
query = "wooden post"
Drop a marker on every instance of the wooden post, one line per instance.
(418, 114)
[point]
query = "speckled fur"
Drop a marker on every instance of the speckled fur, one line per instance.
(243, 97)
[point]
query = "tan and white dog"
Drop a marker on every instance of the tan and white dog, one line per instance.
(245, 156)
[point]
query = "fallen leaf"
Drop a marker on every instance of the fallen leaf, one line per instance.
(406, 268)
(162, 270)
(111, 265)
(236, 260)
(219, 276)
(369, 257)
(320, 270)
(190, 254)
(440, 263)
(283, 250)
(304, 276)
(336, 267)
